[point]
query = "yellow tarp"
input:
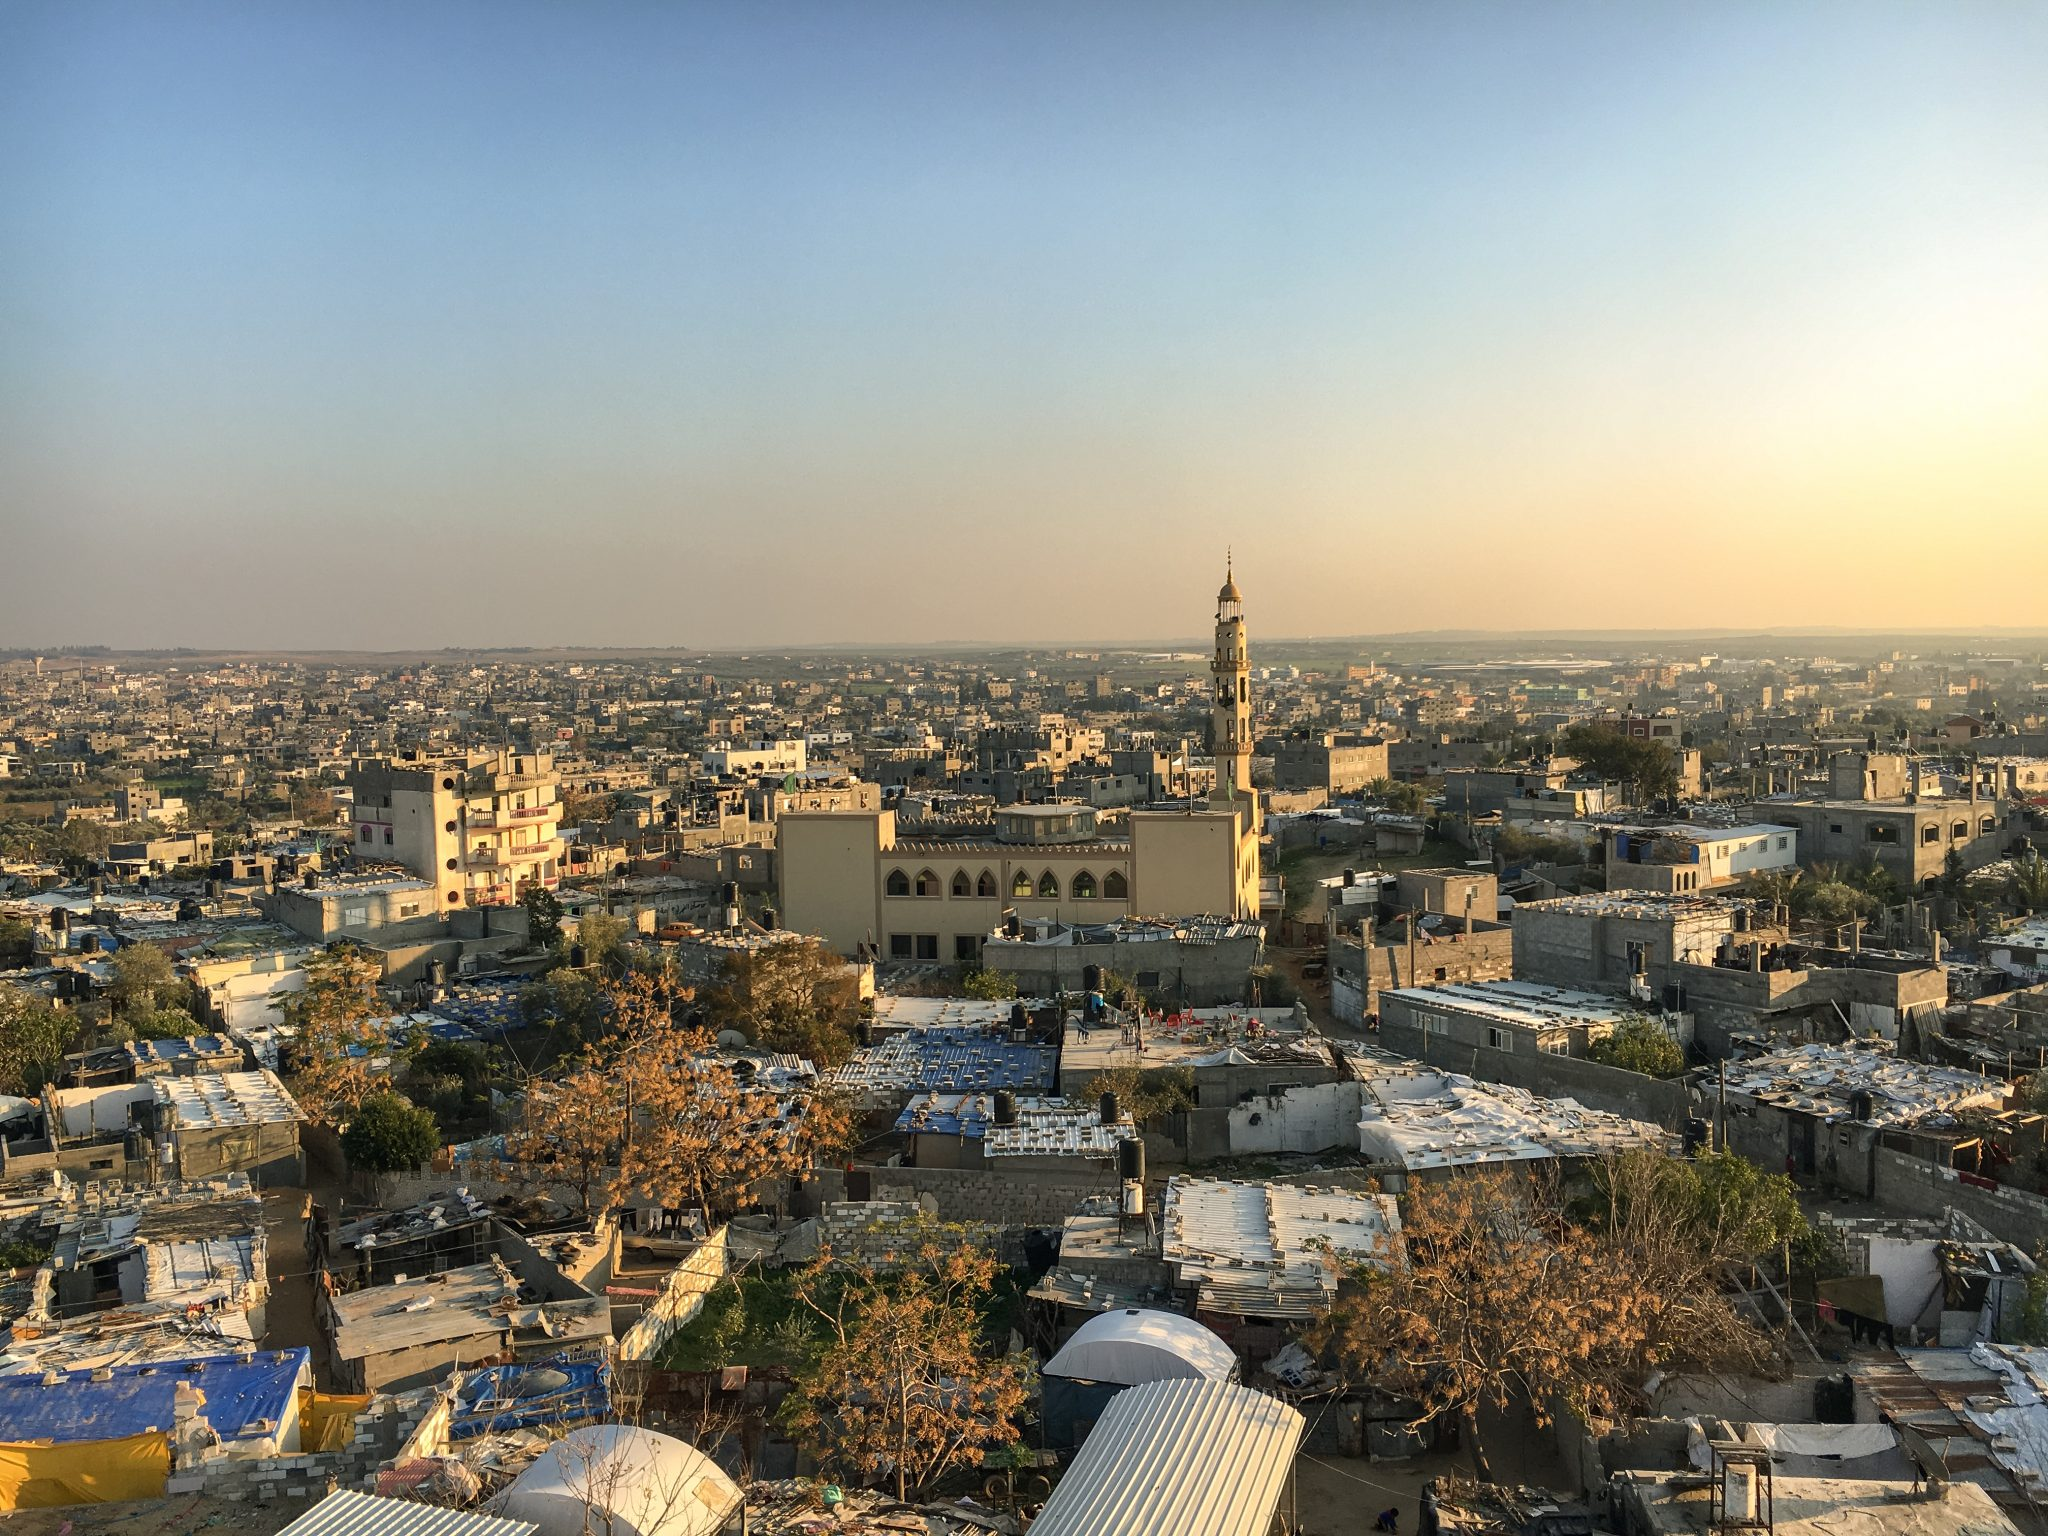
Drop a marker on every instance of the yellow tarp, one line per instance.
(327, 1420)
(38, 1475)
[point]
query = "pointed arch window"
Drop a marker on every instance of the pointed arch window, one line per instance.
(1020, 886)
(986, 885)
(1049, 886)
(962, 886)
(1084, 886)
(928, 883)
(1115, 886)
(898, 883)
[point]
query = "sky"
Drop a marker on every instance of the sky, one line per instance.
(395, 325)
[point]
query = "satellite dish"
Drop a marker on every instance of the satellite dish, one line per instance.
(731, 1037)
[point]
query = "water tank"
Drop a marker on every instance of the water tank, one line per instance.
(867, 1032)
(1862, 1105)
(1130, 1160)
(213, 889)
(729, 894)
(189, 911)
(1006, 1107)
(142, 883)
(1091, 978)
(1019, 1017)
(1742, 919)
(1350, 878)
(1013, 926)
(89, 943)
(577, 957)
(312, 879)
(768, 918)
(98, 886)
(60, 919)
(1110, 1111)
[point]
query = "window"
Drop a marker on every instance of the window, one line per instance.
(1960, 832)
(410, 909)
(387, 837)
(1784, 843)
(1556, 1045)
(899, 946)
(1433, 1024)
(1930, 833)
(986, 885)
(355, 917)
(1147, 981)
(1499, 1039)
(1881, 832)
(1049, 886)
(962, 886)
(1084, 886)
(1020, 886)
(927, 883)
(927, 946)
(1115, 886)
(1835, 827)
(966, 947)
(898, 883)
(1985, 826)
(366, 834)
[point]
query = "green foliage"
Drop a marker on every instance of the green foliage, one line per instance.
(987, 985)
(1519, 847)
(2033, 1324)
(1640, 1044)
(390, 1134)
(34, 1035)
(794, 996)
(1646, 767)
(143, 976)
(451, 1081)
(2027, 886)
(601, 936)
(1399, 795)
(20, 1253)
(543, 916)
(17, 943)
(161, 1024)
(1149, 1096)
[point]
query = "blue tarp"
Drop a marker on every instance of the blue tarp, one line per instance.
(136, 1399)
(510, 1396)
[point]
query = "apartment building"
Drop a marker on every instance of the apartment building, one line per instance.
(481, 826)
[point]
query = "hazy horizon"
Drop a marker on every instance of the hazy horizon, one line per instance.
(377, 327)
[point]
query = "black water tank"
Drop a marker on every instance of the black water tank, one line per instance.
(1013, 926)
(189, 911)
(1130, 1159)
(60, 919)
(729, 894)
(142, 883)
(1006, 1107)
(1020, 1017)
(1091, 978)
(768, 918)
(577, 958)
(1110, 1112)
(213, 889)
(867, 1032)
(89, 944)
(98, 886)
(1350, 877)
(1862, 1104)
(312, 879)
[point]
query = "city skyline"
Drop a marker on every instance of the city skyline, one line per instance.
(722, 327)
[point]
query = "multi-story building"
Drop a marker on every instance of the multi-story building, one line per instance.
(481, 826)
(1685, 858)
(1338, 765)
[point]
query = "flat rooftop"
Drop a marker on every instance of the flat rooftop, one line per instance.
(948, 1059)
(1523, 1003)
(1270, 1250)
(1195, 1037)
(210, 1099)
(1824, 1080)
(1429, 1120)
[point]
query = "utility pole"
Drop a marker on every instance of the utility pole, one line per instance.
(1721, 1115)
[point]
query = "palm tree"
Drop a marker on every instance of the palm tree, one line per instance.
(2027, 886)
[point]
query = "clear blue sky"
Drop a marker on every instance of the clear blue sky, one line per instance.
(424, 324)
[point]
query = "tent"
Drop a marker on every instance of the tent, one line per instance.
(1133, 1344)
(646, 1484)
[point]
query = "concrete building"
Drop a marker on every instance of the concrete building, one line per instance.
(1882, 807)
(1338, 765)
(481, 826)
(1685, 859)
(1194, 962)
(1429, 1124)
(1625, 944)
(756, 759)
(1518, 1016)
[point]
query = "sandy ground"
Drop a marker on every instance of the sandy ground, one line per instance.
(188, 1515)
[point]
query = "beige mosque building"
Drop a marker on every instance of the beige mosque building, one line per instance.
(848, 878)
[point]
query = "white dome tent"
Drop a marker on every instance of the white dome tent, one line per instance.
(1134, 1344)
(637, 1482)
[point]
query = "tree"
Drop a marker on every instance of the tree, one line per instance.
(543, 916)
(600, 935)
(1502, 1295)
(794, 996)
(17, 943)
(904, 1385)
(390, 1134)
(1640, 1044)
(141, 973)
(569, 1135)
(34, 1035)
(1647, 768)
(1399, 795)
(334, 1035)
(1149, 1095)
(978, 981)
(2027, 886)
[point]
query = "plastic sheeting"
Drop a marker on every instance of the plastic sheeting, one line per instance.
(1134, 1345)
(1818, 1442)
(38, 1475)
(327, 1420)
(521, 1397)
(643, 1483)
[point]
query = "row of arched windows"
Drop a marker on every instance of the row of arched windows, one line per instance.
(1114, 886)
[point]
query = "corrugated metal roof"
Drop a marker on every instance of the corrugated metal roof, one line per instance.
(1197, 1458)
(347, 1513)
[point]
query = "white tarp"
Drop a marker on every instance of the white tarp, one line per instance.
(1820, 1442)
(632, 1482)
(1134, 1345)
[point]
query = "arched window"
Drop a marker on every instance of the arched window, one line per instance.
(1020, 886)
(1084, 886)
(1959, 831)
(962, 886)
(986, 885)
(1049, 886)
(898, 883)
(1115, 886)
(927, 883)
(1987, 824)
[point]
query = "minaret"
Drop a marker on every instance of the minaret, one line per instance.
(1232, 707)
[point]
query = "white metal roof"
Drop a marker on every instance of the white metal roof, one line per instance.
(1196, 1458)
(347, 1513)
(1132, 1345)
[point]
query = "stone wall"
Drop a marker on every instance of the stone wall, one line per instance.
(682, 1297)
(1913, 1186)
